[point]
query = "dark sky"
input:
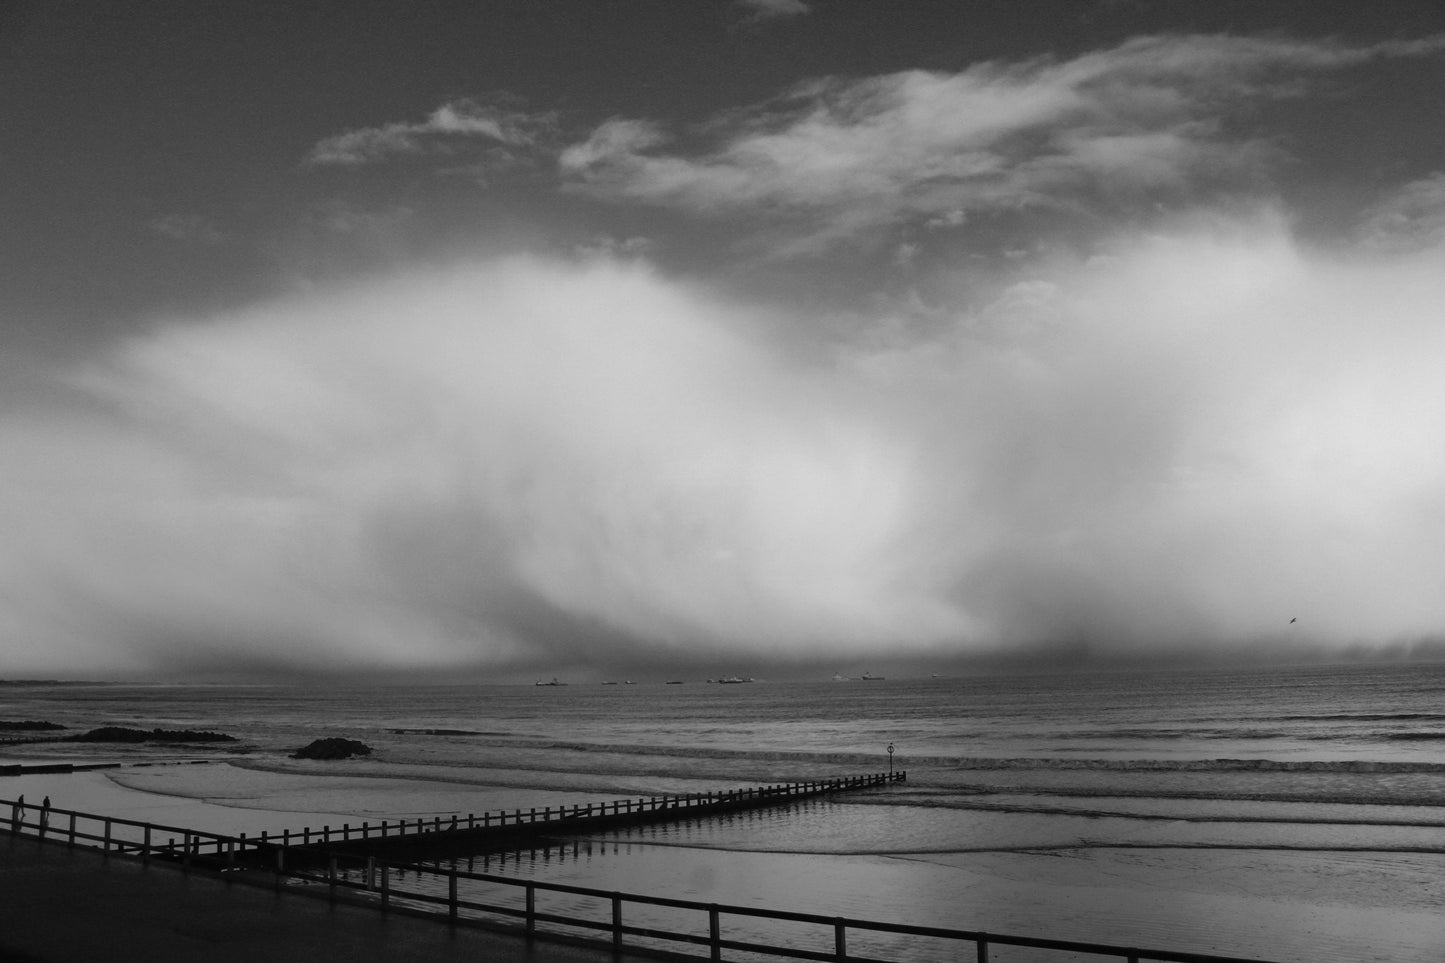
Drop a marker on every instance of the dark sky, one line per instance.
(566, 336)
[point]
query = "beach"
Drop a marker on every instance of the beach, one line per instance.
(1305, 829)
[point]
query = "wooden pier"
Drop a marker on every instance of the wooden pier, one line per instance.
(506, 829)
(326, 868)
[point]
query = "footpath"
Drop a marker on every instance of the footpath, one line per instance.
(64, 905)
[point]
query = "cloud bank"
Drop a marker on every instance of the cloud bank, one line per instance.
(1185, 442)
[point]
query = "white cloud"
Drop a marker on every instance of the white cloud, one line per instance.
(188, 228)
(500, 124)
(1138, 121)
(773, 9)
(1183, 443)
(1412, 217)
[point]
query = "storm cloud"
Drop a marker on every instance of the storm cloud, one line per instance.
(1186, 440)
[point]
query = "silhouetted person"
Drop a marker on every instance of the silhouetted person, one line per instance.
(18, 816)
(44, 814)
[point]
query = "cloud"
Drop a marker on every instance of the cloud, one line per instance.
(759, 10)
(188, 228)
(500, 123)
(1174, 446)
(1105, 130)
(1412, 217)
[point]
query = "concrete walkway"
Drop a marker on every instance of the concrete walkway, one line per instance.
(61, 905)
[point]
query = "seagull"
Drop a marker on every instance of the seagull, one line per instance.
(1291, 621)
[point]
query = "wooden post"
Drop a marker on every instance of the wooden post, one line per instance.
(186, 859)
(982, 943)
(452, 897)
(714, 932)
(370, 872)
(230, 855)
(331, 878)
(146, 852)
(531, 909)
(617, 922)
(105, 847)
(385, 886)
(840, 938)
(72, 829)
(306, 835)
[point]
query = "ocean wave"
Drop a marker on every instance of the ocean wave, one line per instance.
(1360, 717)
(997, 762)
(983, 804)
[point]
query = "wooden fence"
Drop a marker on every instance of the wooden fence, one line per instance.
(457, 896)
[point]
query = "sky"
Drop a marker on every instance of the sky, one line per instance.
(591, 338)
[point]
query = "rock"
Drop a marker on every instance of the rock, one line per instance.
(122, 734)
(332, 748)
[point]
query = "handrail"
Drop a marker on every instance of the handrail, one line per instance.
(674, 803)
(377, 882)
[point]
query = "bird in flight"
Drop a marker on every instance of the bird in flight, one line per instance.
(1291, 621)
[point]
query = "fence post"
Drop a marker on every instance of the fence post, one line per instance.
(186, 859)
(531, 909)
(280, 865)
(840, 938)
(617, 922)
(982, 941)
(714, 932)
(146, 852)
(385, 886)
(331, 878)
(452, 897)
(72, 829)
(106, 846)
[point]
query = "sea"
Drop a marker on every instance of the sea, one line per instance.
(1291, 814)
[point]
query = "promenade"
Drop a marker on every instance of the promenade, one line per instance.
(74, 905)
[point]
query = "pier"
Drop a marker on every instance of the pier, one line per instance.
(355, 866)
(513, 828)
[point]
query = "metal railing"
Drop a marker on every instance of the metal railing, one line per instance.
(373, 881)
